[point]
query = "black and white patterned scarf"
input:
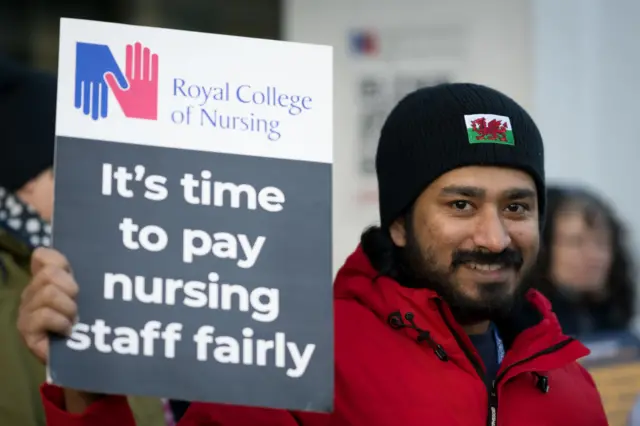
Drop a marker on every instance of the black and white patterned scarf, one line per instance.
(22, 221)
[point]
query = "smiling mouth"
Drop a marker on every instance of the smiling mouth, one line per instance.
(485, 267)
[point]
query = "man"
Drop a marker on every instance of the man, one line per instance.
(433, 326)
(27, 108)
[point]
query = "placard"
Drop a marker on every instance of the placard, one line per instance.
(193, 201)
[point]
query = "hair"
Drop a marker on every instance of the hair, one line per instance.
(384, 255)
(620, 285)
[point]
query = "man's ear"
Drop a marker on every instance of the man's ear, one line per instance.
(398, 231)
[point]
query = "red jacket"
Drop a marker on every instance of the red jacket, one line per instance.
(387, 374)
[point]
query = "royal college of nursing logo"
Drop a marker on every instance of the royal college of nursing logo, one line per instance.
(135, 89)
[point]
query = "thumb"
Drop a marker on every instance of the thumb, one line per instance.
(41, 351)
(39, 347)
(114, 82)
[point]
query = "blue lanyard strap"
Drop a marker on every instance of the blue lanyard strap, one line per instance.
(499, 346)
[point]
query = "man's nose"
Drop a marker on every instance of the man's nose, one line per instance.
(491, 233)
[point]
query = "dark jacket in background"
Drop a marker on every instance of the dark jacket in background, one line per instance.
(583, 317)
(27, 138)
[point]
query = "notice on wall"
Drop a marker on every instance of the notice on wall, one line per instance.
(386, 65)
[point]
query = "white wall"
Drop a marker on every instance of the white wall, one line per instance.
(586, 97)
(491, 44)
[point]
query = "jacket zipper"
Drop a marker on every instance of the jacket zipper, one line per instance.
(493, 395)
(492, 415)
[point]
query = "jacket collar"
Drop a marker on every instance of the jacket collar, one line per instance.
(531, 333)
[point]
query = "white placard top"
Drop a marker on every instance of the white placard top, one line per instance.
(182, 89)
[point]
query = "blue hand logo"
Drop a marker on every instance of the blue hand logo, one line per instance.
(93, 61)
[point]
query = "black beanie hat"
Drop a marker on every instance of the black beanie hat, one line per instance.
(430, 132)
(28, 111)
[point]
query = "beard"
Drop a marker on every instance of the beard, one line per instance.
(494, 301)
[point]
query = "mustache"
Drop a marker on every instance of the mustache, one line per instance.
(508, 258)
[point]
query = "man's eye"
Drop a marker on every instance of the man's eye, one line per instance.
(518, 208)
(461, 205)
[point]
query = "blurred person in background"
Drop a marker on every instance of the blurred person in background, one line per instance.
(434, 324)
(27, 136)
(584, 267)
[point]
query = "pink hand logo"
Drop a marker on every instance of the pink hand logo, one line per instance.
(140, 100)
